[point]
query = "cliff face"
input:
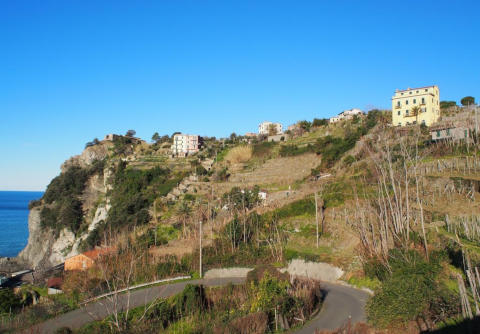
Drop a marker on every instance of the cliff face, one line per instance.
(46, 248)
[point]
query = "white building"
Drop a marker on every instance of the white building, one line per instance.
(264, 127)
(184, 145)
(346, 114)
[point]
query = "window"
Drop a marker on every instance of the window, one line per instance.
(410, 92)
(401, 93)
(398, 103)
(414, 122)
(399, 123)
(424, 109)
(448, 132)
(416, 92)
(438, 133)
(406, 112)
(408, 123)
(398, 113)
(406, 102)
(423, 122)
(426, 90)
(423, 100)
(414, 101)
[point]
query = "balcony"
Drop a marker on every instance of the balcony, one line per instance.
(397, 107)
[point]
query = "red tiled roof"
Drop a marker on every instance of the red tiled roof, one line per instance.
(95, 253)
(54, 282)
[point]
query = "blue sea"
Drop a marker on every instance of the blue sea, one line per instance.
(14, 220)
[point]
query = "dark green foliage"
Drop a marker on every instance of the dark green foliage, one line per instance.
(332, 148)
(447, 104)
(34, 203)
(305, 125)
(9, 301)
(320, 122)
(63, 198)
(191, 300)
(467, 101)
(301, 207)
(63, 330)
(263, 149)
(121, 144)
(130, 133)
(71, 182)
(242, 199)
(292, 150)
(411, 289)
(170, 265)
(134, 191)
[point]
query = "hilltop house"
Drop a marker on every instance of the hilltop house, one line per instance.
(86, 260)
(184, 145)
(346, 114)
(450, 131)
(416, 106)
(264, 128)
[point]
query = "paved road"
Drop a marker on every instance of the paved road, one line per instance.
(340, 303)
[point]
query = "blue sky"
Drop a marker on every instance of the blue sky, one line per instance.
(71, 71)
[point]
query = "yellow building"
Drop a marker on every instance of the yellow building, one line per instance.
(416, 106)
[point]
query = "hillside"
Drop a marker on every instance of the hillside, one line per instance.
(396, 212)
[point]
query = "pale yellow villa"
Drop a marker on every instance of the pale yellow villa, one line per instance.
(416, 106)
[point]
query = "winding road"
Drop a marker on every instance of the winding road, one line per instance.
(341, 304)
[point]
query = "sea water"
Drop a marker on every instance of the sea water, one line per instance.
(14, 220)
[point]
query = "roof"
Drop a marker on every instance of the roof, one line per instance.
(449, 125)
(406, 90)
(95, 253)
(54, 282)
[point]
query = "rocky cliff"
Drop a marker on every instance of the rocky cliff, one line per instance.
(46, 248)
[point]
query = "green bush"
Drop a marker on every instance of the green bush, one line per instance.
(411, 289)
(263, 149)
(63, 198)
(9, 301)
(293, 150)
(134, 191)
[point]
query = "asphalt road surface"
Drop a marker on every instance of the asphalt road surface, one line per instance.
(341, 304)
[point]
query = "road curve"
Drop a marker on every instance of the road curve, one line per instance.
(341, 302)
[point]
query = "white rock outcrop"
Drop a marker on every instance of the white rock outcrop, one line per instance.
(315, 270)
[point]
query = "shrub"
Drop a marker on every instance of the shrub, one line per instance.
(62, 195)
(349, 160)
(134, 191)
(409, 291)
(292, 150)
(9, 301)
(320, 122)
(263, 149)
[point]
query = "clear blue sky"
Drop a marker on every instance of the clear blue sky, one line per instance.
(71, 71)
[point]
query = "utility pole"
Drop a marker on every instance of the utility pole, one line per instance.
(476, 124)
(316, 214)
(201, 249)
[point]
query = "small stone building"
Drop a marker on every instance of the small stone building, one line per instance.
(450, 132)
(86, 260)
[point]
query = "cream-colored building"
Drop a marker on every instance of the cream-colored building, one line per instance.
(346, 114)
(184, 145)
(424, 100)
(264, 128)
